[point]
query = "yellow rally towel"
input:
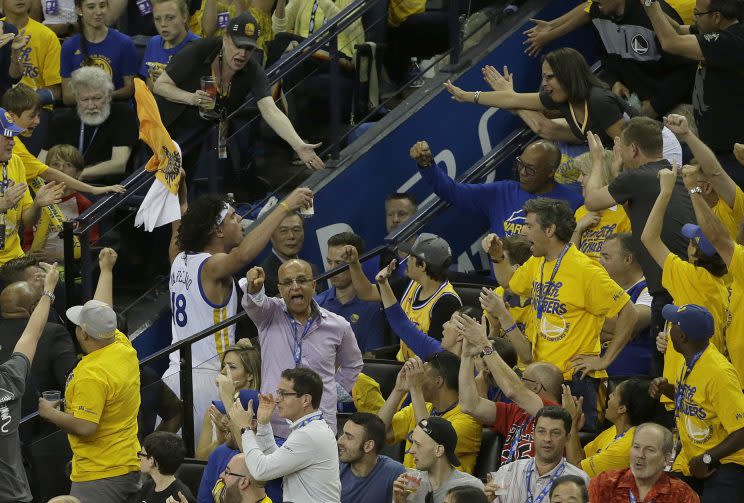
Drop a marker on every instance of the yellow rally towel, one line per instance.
(160, 206)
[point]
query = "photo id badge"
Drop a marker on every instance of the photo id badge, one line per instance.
(50, 7)
(145, 7)
(222, 19)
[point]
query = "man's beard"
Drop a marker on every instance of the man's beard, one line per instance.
(95, 118)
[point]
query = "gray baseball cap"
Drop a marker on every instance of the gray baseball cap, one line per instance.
(429, 248)
(96, 318)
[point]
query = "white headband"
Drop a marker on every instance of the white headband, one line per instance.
(223, 214)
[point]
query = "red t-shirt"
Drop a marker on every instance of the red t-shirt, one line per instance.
(516, 426)
(613, 486)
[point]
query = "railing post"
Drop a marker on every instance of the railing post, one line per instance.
(335, 104)
(68, 239)
(86, 267)
(456, 37)
(187, 398)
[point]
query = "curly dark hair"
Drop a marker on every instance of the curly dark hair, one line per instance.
(199, 221)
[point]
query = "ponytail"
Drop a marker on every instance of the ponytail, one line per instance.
(87, 61)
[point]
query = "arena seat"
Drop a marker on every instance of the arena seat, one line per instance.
(384, 372)
(489, 457)
(190, 473)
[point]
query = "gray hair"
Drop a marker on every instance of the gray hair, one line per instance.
(91, 78)
(667, 440)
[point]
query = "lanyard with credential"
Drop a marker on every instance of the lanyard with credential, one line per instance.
(297, 350)
(678, 393)
(311, 28)
(81, 142)
(305, 422)
(545, 489)
(542, 294)
(515, 444)
(632, 498)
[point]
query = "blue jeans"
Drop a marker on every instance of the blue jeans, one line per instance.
(588, 387)
(725, 484)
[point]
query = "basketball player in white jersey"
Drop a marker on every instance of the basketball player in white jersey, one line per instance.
(206, 250)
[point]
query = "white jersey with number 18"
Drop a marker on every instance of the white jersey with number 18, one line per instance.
(193, 312)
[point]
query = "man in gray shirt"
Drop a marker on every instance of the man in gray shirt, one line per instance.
(433, 444)
(13, 375)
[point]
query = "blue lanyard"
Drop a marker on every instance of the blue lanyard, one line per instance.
(82, 138)
(311, 28)
(678, 395)
(546, 489)
(309, 420)
(632, 498)
(297, 349)
(435, 412)
(515, 444)
(542, 293)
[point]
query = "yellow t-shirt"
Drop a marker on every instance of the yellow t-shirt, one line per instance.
(104, 389)
(688, 284)
(367, 395)
(14, 216)
(613, 220)
(33, 166)
(731, 217)
(735, 332)
(683, 7)
(576, 304)
(712, 408)
(40, 59)
(400, 10)
(608, 452)
(420, 314)
(469, 432)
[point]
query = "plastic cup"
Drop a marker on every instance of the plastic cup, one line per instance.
(308, 212)
(52, 395)
(412, 480)
(498, 490)
(206, 107)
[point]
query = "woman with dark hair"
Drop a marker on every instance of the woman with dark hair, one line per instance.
(98, 45)
(628, 405)
(570, 91)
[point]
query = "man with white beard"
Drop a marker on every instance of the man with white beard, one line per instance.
(104, 132)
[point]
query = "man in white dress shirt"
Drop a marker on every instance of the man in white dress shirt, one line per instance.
(308, 459)
(531, 479)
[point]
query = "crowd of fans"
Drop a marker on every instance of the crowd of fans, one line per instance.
(606, 367)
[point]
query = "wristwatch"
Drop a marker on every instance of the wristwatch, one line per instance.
(50, 295)
(709, 461)
(648, 3)
(488, 350)
(696, 190)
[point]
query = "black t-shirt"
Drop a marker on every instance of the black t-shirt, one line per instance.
(194, 62)
(13, 482)
(639, 188)
(604, 110)
(157, 400)
(718, 98)
(148, 494)
(121, 129)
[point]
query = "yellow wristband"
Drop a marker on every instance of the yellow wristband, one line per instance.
(286, 206)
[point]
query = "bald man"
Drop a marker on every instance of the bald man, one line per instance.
(502, 201)
(54, 360)
(294, 331)
(539, 385)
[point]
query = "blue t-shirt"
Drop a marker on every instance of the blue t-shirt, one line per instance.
(216, 464)
(375, 487)
(501, 202)
(635, 358)
(115, 54)
(158, 56)
(365, 318)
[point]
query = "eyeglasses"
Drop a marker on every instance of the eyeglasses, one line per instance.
(697, 13)
(281, 394)
(227, 473)
(300, 281)
(141, 454)
(520, 166)
(531, 381)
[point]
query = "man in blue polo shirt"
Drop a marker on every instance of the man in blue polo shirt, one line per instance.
(502, 201)
(366, 318)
